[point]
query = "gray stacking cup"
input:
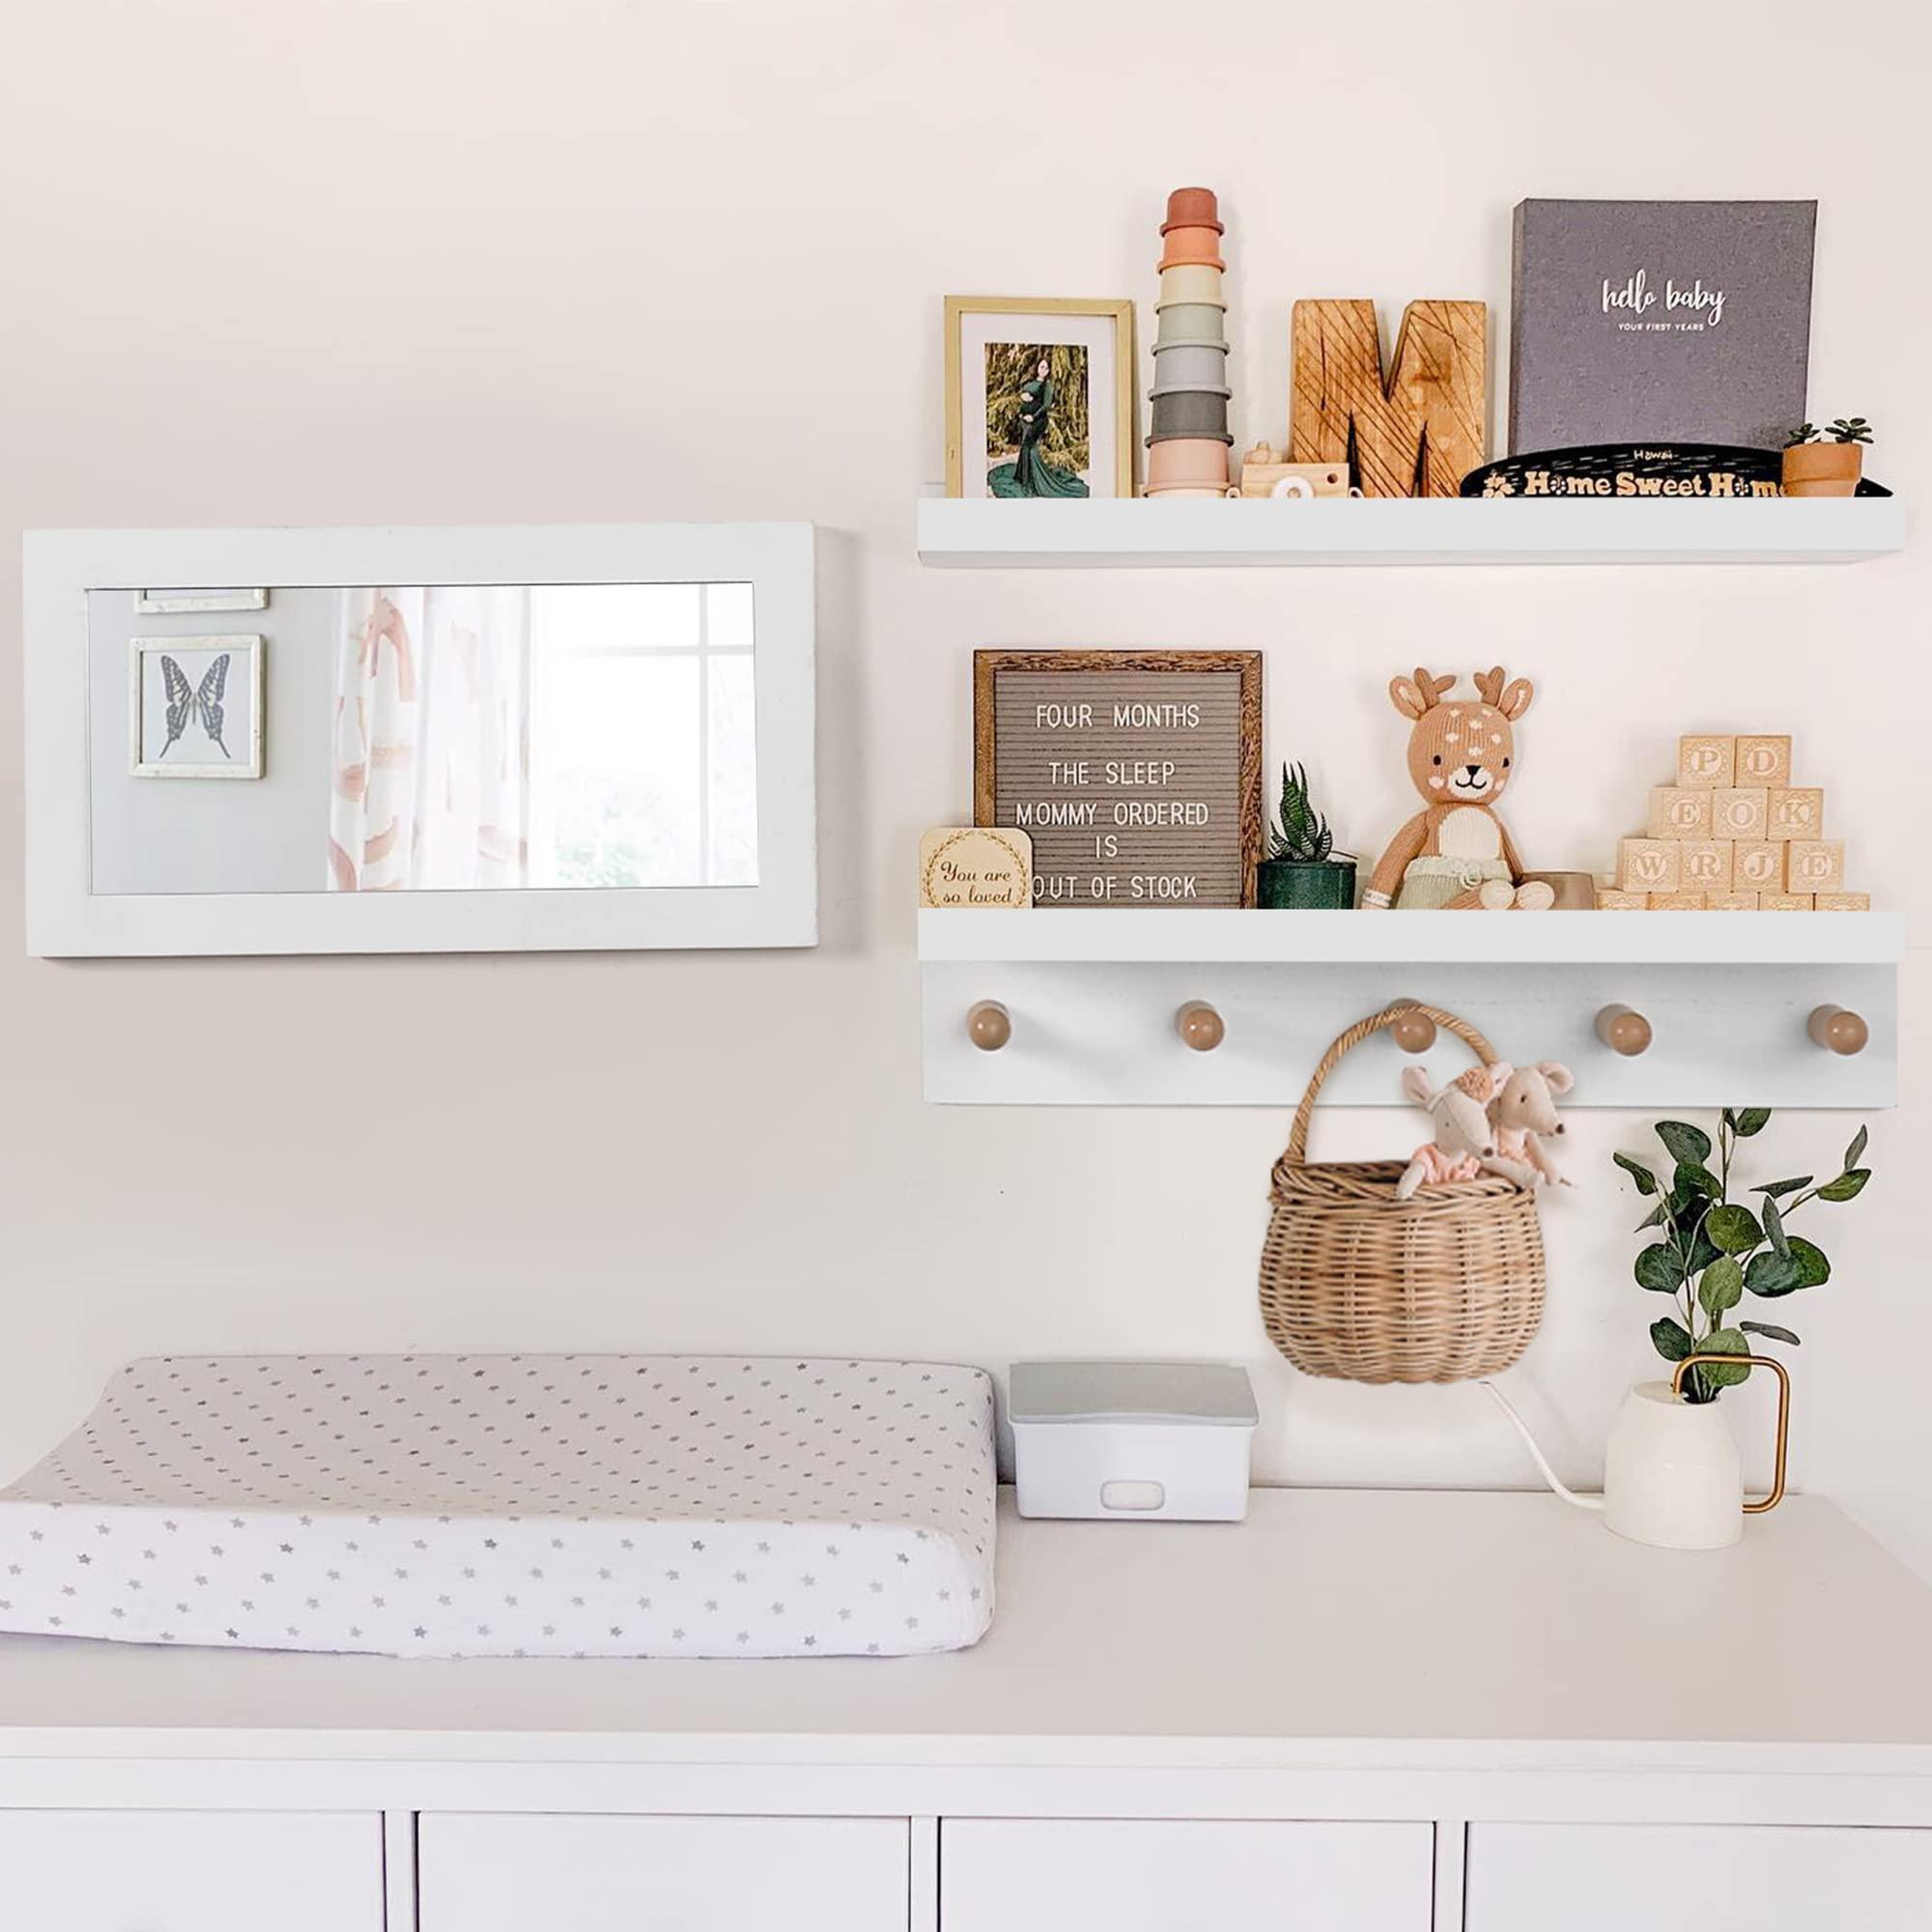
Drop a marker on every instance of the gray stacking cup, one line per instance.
(1189, 365)
(1190, 412)
(1190, 322)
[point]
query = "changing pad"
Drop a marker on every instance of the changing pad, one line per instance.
(520, 1505)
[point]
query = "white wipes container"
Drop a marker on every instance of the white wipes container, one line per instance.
(1164, 1440)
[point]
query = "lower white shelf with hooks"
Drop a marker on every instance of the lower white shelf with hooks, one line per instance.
(1233, 1010)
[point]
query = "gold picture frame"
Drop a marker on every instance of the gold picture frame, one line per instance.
(1122, 418)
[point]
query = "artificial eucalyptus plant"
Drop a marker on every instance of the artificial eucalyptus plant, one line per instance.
(1713, 1251)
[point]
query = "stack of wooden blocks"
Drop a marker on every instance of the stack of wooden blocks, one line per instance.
(1733, 834)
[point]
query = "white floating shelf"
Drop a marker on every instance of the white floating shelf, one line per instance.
(983, 534)
(1092, 995)
(1151, 935)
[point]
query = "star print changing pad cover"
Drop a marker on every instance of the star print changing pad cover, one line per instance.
(521, 1505)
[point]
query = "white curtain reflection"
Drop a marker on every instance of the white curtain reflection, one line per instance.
(431, 785)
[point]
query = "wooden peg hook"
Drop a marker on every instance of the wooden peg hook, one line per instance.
(1837, 1029)
(1200, 1026)
(1414, 1032)
(989, 1026)
(1623, 1030)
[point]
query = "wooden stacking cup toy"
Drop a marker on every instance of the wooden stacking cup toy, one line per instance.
(1196, 464)
(1192, 208)
(1182, 414)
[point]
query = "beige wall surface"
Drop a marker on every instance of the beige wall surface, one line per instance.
(333, 261)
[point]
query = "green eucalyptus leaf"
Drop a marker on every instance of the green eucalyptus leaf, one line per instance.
(1771, 1274)
(1703, 1252)
(1734, 1228)
(1749, 1121)
(1771, 1332)
(1857, 1148)
(1810, 1259)
(1670, 1339)
(1723, 1285)
(1846, 1186)
(1655, 1218)
(1658, 1269)
(1774, 1228)
(1646, 1181)
(1688, 1143)
(1693, 1178)
(1722, 1375)
(1777, 1188)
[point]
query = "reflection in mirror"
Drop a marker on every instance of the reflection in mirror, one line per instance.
(437, 737)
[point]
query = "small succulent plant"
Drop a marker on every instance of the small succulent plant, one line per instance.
(1851, 429)
(1804, 433)
(1304, 837)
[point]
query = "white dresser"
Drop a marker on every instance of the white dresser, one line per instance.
(1355, 1713)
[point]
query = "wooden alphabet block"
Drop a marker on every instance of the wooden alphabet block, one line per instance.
(1814, 866)
(1784, 902)
(1730, 901)
(1610, 899)
(1677, 901)
(1704, 865)
(1757, 866)
(1842, 902)
(1796, 812)
(1647, 866)
(1764, 762)
(1431, 410)
(1679, 811)
(1706, 764)
(1741, 812)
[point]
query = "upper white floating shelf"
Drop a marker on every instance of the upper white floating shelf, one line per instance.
(1251, 937)
(1262, 532)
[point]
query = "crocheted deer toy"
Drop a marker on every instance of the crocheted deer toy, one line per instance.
(1455, 854)
(1465, 1143)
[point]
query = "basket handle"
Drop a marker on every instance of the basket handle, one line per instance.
(1297, 1139)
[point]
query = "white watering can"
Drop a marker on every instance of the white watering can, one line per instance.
(1672, 1475)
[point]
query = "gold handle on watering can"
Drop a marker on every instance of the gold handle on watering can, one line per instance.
(1689, 1362)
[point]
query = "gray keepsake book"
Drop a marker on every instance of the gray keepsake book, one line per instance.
(1659, 321)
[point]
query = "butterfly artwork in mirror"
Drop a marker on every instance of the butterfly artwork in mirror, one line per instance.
(194, 707)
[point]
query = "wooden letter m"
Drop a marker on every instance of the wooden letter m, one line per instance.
(1417, 434)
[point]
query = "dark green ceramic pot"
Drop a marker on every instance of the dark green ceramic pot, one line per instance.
(1282, 885)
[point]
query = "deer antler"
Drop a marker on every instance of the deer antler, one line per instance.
(1432, 688)
(1490, 684)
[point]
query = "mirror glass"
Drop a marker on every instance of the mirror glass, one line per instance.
(445, 737)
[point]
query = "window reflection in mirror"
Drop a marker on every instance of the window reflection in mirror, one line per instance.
(444, 737)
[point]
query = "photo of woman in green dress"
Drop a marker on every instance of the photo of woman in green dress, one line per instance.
(1036, 420)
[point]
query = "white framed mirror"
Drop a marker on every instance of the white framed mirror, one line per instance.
(427, 740)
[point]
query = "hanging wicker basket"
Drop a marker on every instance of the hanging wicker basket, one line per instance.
(1441, 1287)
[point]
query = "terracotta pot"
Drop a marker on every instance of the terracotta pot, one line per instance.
(1197, 463)
(1190, 322)
(1189, 365)
(1192, 208)
(1191, 282)
(1192, 244)
(1823, 468)
(1190, 412)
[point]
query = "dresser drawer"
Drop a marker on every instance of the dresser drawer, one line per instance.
(486, 1873)
(1050, 1875)
(1696, 1877)
(191, 1871)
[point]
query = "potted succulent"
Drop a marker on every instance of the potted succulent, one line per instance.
(1712, 1251)
(1303, 870)
(1830, 466)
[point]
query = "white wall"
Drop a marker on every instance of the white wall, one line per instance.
(529, 262)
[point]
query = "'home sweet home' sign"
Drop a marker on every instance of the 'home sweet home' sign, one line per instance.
(1137, 774)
